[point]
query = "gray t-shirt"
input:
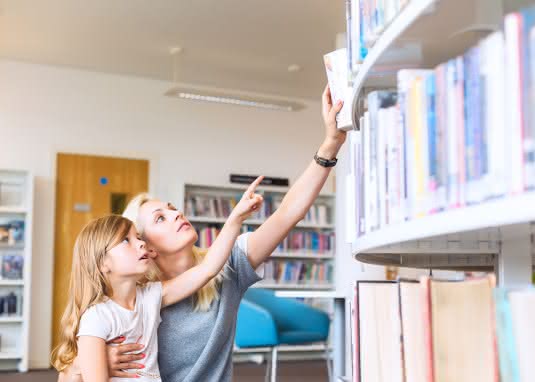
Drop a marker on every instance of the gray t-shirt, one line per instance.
(197, 346)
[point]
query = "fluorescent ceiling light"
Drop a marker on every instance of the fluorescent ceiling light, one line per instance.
(240, 99)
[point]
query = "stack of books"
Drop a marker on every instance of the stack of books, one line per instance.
(437, 330)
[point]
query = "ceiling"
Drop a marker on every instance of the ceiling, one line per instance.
(244, 45)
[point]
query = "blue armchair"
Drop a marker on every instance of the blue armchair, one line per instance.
(265, 320)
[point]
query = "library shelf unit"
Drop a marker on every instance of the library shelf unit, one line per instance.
(499, 230)
(203, 206)
(16, 206)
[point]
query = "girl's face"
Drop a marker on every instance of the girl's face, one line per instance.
(128, 258)
(165, 229)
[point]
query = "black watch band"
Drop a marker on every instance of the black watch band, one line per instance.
(325, 162)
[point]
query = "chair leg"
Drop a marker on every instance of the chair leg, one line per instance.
(268, 368)
(329, 365)
(274, 365)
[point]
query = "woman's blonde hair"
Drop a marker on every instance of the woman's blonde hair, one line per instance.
(204, 296)
(88, 284)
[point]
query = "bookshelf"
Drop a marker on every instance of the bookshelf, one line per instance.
(16, 204)
(461, 95)
(305, 261)
(497, 229)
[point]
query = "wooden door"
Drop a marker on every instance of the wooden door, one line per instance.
(87, 187)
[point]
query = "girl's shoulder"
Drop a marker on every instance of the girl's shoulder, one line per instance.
(99, 309)
(150, 290)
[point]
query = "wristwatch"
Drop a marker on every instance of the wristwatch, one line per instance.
(325, 162)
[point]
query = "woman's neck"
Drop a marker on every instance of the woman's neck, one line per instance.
(124, 292)
(174, 264)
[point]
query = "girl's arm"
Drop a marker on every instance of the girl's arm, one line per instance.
(301, 195)
(187, 283)
(92, 359)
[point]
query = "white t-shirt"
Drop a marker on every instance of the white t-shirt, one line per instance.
(108, 320)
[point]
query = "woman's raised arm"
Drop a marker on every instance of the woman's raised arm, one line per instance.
(302, 194)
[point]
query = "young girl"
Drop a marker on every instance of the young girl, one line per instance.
(109, 298)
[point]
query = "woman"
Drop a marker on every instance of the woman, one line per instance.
(196, 337)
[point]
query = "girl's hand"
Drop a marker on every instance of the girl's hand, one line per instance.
(249, 202)
(334, 137)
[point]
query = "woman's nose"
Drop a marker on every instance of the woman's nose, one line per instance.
(179, 215)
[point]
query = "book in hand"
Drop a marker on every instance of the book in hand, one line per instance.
(338, 79)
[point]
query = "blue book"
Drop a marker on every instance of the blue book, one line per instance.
(508, 359)
(527, 62)
(431, 137)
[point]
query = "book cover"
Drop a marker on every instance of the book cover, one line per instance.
(514, 107)
(526, 61)
(523, 316)
(508, 359)
(463, 336)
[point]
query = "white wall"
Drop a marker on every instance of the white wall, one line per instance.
(45, 110)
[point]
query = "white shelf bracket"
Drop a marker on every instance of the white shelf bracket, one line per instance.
(514, 262)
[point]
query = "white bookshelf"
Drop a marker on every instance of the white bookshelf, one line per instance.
(494, 235)
(16, 204)
(276, 194)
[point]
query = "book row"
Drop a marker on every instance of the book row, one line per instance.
(11, 232)
(457, 135)
(220, 207)
(12, 267)
(11, 304)
(437, 330)
(366, 21)
(296, 241)
(298, 272)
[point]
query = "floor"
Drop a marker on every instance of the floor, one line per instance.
(309, 371)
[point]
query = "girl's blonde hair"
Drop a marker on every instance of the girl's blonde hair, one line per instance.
(88, 285)
(204, 297)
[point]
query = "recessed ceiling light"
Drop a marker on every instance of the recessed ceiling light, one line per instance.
(294, 68)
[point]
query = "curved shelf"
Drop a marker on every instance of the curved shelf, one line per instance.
(496, 213)
(442, 261)
(424, 34)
